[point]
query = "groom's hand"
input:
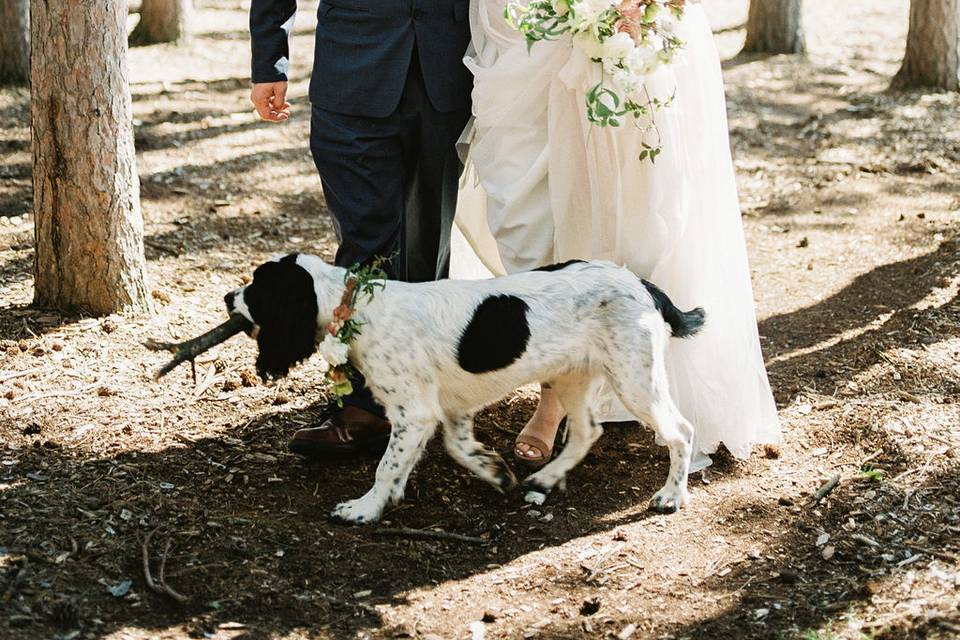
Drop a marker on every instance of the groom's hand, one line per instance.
(270, 99)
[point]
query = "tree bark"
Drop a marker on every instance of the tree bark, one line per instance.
(932, 58)
(14, 41)
(162, 21)
(774, 26)
(86, 192)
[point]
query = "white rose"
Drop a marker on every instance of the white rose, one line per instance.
(586, 42)
(617, 46)
(587, 12)
(583, 16)
(334, 350)
(667, 23)
(642, 61)
(628, 85)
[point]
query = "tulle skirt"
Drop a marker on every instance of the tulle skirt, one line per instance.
(543, 185)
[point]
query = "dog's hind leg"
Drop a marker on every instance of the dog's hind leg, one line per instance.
(412, 429)
(463, 447)
(575, 393)
(644, 390)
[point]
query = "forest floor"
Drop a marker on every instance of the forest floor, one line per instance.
(852, 208)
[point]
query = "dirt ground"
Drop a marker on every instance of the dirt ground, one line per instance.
(851, 204)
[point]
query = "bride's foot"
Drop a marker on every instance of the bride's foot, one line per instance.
(534, 445)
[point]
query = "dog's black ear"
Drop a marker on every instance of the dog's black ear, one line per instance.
(283, 304)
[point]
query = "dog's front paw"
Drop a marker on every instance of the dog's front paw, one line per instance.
(359, 511)
(668, 500)
(535, 497)
(537, 491)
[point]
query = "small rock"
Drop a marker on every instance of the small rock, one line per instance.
(788, 577)
(828, 552)
(477, 630)
(32, 429)
(108, 326)
(120, 589)
(822, 539)
(590, 606)
(627, 631)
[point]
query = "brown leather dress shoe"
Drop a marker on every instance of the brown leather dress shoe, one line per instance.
(347, 433)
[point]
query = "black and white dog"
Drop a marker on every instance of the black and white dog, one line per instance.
(438, 352)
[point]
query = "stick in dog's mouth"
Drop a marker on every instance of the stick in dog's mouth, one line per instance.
(188, 350)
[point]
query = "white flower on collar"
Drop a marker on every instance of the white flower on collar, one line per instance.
(334, 350)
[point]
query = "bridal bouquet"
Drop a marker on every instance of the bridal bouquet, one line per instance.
(629, 39)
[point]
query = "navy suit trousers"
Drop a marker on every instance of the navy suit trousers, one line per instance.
(391, 185)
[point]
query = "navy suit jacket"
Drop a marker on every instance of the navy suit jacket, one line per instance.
(364, 48)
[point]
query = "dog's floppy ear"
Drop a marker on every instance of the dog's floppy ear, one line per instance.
(283, 304)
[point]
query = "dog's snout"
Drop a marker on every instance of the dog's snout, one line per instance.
(228, 299)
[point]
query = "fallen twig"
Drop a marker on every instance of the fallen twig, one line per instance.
(942, 555)
(865, 539)
(33, 397)
(160, 586)
(827, 487)
(188, 350)
(20, 374)
(404, 532)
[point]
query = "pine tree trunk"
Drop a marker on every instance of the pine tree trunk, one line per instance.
(774, 26)
(932, 58)
(162, 21)
(86, 193)
(14, 41)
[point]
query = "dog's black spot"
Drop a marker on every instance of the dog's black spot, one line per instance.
(558, 266)
(282, 302)
(496, 336)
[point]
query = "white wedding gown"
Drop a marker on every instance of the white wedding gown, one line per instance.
(543, 185)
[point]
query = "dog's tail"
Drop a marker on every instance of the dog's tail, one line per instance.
(683, 324)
